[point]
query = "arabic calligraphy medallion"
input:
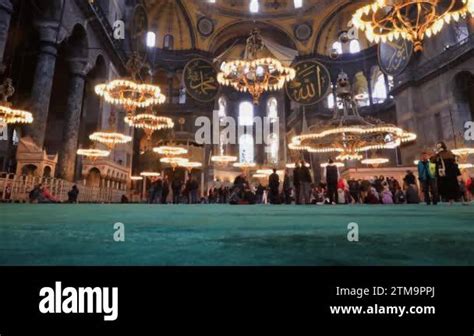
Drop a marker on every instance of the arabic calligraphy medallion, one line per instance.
(200, 80)
(311, 84)
(395, 56)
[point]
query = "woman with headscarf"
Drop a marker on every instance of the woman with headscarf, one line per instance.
(447, 171)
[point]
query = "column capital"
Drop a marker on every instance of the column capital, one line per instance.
(50, 35)
(6, 5)
(78, 66)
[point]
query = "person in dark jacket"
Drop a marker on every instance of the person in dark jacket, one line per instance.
(177, 185)
(427, 177)
(287, 188)
(297, 182)
(332, 177)
(166, 190)
(447, 173)
(73, 194)
(274, 185)
(305, 183)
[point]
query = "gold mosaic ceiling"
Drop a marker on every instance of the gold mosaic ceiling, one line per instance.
(199, 24)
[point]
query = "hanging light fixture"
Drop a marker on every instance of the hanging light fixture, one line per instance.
(375, 162)
(170, 150)
(93, 153)
(337, 164)
(413, 20)
(131, 93)
(255, 75)
(191, 165)
(174, 162)
(110, 137)
(149, 123)
(9, 115)
(349, 134)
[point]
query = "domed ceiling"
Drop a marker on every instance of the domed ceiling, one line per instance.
(208, 26)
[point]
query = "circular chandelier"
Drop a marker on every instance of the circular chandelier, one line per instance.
(149, 123)
(413, 20)
(130, 94)
(245, 165)
(9, 115)
(463, 151)
(191, 165)
(265, 171)
(260, 176)
(150, 174)
(375, 162)
(136, 178)
(174, 162)
(170, 150)
(293, 165)
(253, 74)
(110, 139)
(337, 164)
(357, 136)
(93, 153)
(223, 159)
(12, 116)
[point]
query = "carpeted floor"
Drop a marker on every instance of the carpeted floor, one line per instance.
(236, 235)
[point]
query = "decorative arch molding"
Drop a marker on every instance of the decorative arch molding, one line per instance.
(226, 36)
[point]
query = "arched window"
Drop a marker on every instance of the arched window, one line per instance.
(272, 110)
(168, 42)
(246, 114)
(273, 147)
(380, 90)
(331, 100)
(246, 141)
(273, 141)
(354, 46)
(338, 47)
(222, 107)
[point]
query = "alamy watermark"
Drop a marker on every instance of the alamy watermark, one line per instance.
(469, 131)
(230, 131)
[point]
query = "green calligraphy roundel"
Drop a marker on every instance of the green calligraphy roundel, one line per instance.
(311, 84)
(200, 80)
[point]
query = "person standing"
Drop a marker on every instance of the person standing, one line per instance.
(287, 188)
(332, 178)
(427, 177)
(176, 186)
(166, 190)
(447, 173)
(274, 185)
(305, 183)
(297, 182)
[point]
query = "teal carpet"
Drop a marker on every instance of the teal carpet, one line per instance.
(236, 235)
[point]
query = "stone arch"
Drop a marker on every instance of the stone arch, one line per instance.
(238, 32)
(78, 43)
(463, 92)
(29, 170)
(93, 178)
(47, 172)
(333, 25)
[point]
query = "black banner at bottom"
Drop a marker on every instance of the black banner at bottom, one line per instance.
(136, 301)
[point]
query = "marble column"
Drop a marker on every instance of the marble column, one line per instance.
(67, 155)
(43, 80)
(6, 10)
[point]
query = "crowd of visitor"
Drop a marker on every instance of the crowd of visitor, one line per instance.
(438, 179)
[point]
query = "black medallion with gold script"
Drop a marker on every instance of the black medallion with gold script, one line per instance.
(138, 31)
(311, 84)
(395, 56)
(200, 80)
